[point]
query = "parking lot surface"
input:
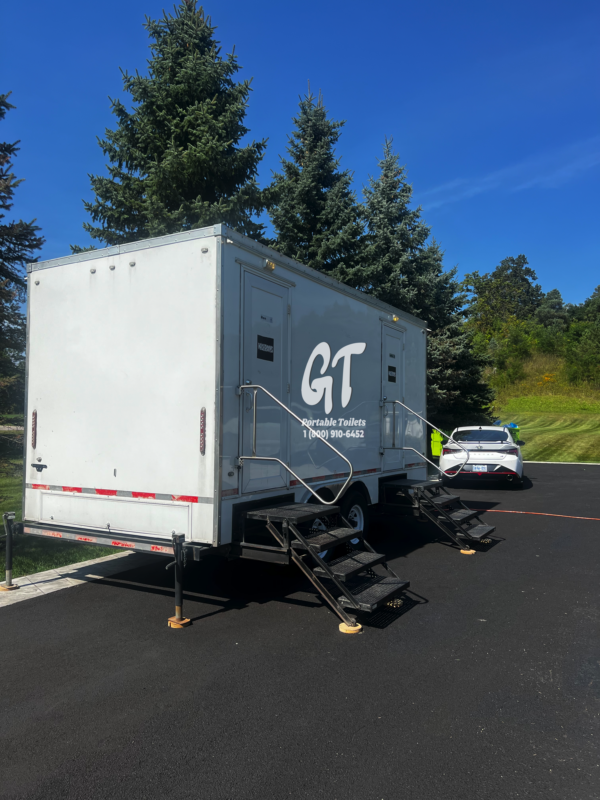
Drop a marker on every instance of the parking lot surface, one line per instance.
(486, 684)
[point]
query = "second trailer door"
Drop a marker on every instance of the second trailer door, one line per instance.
(266, 363)
(392, 387)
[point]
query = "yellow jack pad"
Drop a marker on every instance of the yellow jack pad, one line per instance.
(347, 629)
(9, 588)
(468, 552)
(183, 622)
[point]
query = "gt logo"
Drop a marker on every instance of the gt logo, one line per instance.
(313, 391)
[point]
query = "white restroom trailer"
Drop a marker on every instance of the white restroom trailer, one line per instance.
(137, 425)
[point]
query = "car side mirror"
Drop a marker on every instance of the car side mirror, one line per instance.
(520, 442)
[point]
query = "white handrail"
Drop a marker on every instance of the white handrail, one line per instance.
(254, 457)
(426, 421)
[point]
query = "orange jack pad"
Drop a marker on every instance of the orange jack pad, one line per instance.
(173, 622)
(347, 629)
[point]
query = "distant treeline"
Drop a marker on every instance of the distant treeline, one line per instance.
(512, 319)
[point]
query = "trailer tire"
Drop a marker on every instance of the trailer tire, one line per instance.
(355, 509)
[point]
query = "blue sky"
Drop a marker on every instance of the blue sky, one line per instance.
(493, 108)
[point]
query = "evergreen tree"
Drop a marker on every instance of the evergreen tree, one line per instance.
(589, 310)
(312, 205)
(176, 162)
(507, 291)
(403, 267)
(552, 311)
(12, 350)
(18, 242)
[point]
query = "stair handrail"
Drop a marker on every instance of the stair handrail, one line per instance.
(255, 387)
(431, 425)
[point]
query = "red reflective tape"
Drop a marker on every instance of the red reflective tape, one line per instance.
(182, 498)
(41, 531)
(156, 548)
(86, 538)
(122, 544)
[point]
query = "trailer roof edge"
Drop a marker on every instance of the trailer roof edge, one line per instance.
(240, 240)
(302, 269)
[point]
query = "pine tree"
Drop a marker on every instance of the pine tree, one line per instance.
(508, 291)
(12, 350)
(176, 162)
(404, 267)
(312, 205)
(18, 242)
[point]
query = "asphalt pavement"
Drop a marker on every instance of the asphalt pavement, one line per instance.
(485, 685)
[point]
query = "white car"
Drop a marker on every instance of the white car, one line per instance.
(492, 453)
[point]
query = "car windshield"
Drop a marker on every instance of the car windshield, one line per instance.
(480, 436)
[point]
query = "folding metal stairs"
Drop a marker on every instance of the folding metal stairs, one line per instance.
(431, 499)
(348, 581)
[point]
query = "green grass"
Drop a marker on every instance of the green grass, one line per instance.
(11, 419)
(32, 554)
(559, 421)
(559, 437)
(550, 404)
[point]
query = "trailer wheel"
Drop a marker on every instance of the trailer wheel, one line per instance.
(354, 508)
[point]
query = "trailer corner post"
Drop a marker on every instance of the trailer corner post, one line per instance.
(8, 529)
(178, 621)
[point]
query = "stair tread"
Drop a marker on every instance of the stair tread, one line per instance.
(411, 483)
(294, 512)
(372, 593)
(478, 532)
(324, 540)
(465, 514)
(350, 564)
(442, 499)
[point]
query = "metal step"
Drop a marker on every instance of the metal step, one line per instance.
(294, 512)
(441, 500)
(325, 540)
(477, 532)
(351, 564)
(374, 592)
(410, 483)
(463, 515)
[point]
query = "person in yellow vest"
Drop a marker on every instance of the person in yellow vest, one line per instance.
(436, 443)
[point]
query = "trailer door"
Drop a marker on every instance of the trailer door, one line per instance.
(392, 388)
(266, 363)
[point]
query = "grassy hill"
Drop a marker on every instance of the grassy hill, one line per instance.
(558, 421)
